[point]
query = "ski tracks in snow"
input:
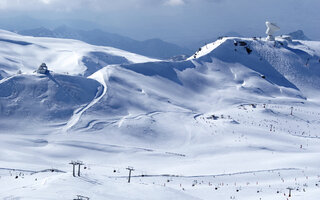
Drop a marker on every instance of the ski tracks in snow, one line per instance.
(98, 76)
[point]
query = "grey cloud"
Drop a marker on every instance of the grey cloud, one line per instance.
(83, 4)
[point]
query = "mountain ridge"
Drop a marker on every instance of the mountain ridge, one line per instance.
(298, 35)
(25, 54)
(155, 48)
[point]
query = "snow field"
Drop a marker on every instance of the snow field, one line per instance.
(215, 127)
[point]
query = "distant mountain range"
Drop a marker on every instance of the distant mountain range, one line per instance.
(298, 35)
(155, 48)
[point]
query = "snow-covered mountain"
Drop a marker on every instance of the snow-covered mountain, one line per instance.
(38, 98)
(154, 48)
(237, 120)
(196, 44)
(61, 55)
(298, 35)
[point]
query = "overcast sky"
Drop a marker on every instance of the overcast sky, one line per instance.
(176, 20)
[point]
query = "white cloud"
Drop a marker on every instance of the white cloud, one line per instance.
(23, 4)
(174, 2)
(46, 1)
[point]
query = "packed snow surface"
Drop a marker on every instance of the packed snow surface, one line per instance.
(239, 120)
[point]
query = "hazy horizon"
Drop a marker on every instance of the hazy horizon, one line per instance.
(177, 21)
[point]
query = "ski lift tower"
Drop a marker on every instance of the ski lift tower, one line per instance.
(74, 164)
(130, 171)
(271, 29)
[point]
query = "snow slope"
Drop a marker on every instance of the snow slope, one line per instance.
(34, 99)
(296, 61)
(239, 120)
(61, 55)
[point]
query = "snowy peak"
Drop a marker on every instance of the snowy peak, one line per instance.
(285, 63)
(222, 71)
(61, 55)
